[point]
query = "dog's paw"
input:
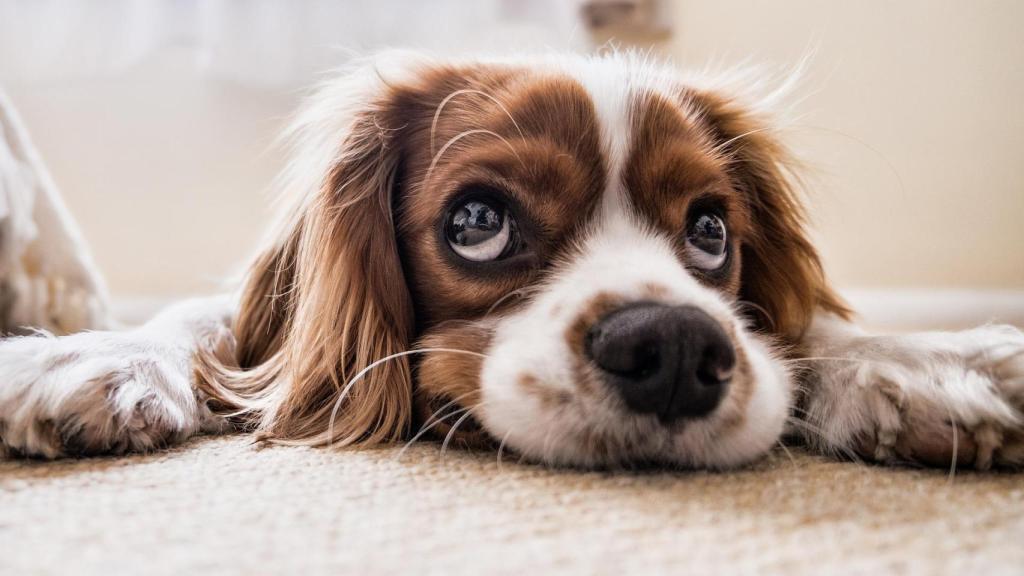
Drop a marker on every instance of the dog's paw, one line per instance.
(930, 398)
(94, 393)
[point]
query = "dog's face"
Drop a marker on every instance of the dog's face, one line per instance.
(580, 231)
(588, 252)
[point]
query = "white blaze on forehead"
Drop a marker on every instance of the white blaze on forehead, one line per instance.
(614, 83)
(610, 89)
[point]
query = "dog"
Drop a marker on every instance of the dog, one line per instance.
(588, 261)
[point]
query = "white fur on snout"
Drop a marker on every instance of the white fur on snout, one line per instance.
(620, 259)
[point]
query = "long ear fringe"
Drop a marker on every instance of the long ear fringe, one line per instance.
(782, 273)
(321, 303)
(301, 339)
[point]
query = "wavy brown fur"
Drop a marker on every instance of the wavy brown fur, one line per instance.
(319, 306)
(781, 271)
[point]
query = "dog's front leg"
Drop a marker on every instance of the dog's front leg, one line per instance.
(930, 398)
(111, 392)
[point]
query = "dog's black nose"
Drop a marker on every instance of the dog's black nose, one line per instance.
(673, 361)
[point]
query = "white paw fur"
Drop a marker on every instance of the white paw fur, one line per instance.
(106, 392)
(930, 398)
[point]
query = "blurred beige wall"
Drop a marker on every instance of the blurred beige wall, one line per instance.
(913, 118)
(167, 171)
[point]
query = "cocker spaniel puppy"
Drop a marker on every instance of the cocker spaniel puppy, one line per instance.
(588, 261)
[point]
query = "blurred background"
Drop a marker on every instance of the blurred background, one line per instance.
(157, 119)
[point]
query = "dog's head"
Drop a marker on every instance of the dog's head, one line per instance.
(595, 256)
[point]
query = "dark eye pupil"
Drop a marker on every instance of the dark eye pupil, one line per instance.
(473, 223)
(707, 232)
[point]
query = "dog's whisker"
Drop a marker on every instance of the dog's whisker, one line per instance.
(789, 454)
(431, 423)
(501, 448)
(423, 430)
(448, 98)
(448, 437)
(799, 410)
(455, 139)
(759, 308)
(954, 453)
(449, 403)
(507, 296)
(878, 153)
(719, 149)
(362, 373)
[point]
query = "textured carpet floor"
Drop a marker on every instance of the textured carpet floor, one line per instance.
(222, 506)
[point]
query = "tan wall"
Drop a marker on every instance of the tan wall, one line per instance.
(914, 122)
(166, 170)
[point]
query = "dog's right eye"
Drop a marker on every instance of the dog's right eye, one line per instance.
(481, 230)
(706, 241)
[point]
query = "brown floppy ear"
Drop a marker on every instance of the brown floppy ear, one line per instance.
(781, 271)
(327, 298)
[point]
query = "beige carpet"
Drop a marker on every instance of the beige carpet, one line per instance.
(222, 506)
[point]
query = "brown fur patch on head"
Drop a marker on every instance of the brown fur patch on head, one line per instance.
(536, 146)
(672, 169)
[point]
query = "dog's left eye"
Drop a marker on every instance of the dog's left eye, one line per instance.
(481, 230)
(706, 241)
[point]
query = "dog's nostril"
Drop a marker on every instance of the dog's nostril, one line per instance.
(717, 365)
(670, 361)
(630, 362)
(648, 360)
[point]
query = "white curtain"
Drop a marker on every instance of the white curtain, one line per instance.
(275, 42)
